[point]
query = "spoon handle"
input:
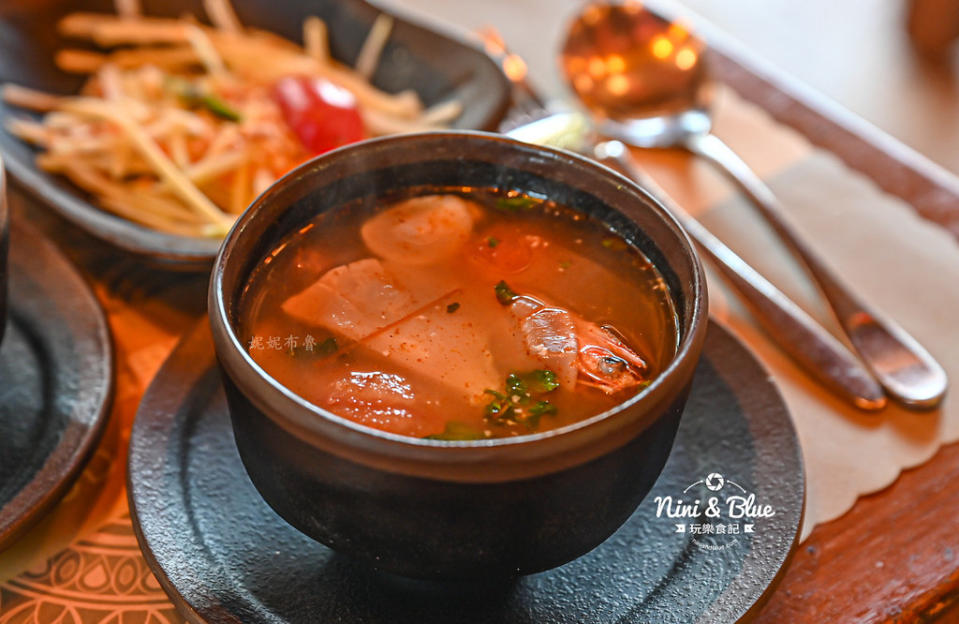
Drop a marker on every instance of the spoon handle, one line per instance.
(905, 369)
(815, 349)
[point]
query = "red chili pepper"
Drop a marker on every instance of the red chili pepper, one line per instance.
(323, 115)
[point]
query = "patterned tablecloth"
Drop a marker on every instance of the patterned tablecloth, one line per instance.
(81, 564)
(101, 579)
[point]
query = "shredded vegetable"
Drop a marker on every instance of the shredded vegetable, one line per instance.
(179, 125)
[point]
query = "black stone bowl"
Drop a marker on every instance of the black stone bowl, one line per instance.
(453, 510)
(4, 247)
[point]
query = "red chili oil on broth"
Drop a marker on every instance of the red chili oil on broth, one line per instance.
(459, 315)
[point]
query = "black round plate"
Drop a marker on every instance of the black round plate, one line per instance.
(224, 556)
(56, 381)
(436, 66)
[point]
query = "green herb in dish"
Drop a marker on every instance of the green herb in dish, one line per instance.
(327, 347)
(517, 204)
(505, 294)
(499, 407)
(192, 95)
(542, 381)
(615, 243)
(456, 431)
(521, 402)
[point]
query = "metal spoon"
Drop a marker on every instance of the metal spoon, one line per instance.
(645, 81)
(815, 349)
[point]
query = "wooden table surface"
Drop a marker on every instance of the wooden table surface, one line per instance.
(895, 556)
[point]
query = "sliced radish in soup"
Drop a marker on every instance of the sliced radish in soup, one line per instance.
(422, 230)
(385, 310)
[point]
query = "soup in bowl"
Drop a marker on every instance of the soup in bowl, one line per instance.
(454, 355)
(459, 313)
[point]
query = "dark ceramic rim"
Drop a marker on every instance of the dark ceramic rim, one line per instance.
(79, 440)
(220, 302)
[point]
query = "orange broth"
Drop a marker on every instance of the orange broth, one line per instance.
(425, 348)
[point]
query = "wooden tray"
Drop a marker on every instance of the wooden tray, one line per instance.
(895, 555)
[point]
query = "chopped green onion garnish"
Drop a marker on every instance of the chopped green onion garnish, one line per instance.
(456, 431)
(517, 204)
(517, 404)
(499, 408)
(616, 244)
(327, 347)
(504, 294)
(515, 386)
(542, 380)
(541, 408)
